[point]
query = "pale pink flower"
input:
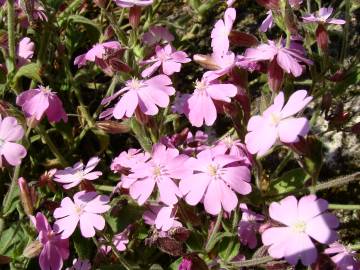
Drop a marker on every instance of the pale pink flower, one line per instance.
(79, 264)
(343, 257)
(230, 2)
(322, 16)
(249, 226)
(72, 176)
(85, 208)
(167, 58)
(55, 250)
(128, 159)
(131, 3)
(277, 122)
(161, 170)
(35, 103)
(220, 34)
(25, 51)
(162, 217)
(148, 95)
(301, 221)
(10, 133)
(215, 180)
(221, 64)
(201, 103)
(267, 23)
(156, 34)
(119, 240)
(287, 58)
(233, 147)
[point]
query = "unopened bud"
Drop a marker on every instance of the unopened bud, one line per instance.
(25, 196)
(33, 249)
(275, 76)
(134, 16)
(322, 38)
(206, 61)
(46, 180)
(243, 39)
(113, 127)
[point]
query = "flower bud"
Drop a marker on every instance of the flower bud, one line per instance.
(112, 127)
(33, 249)
(25, 196)
(134, 16)
(46, 180)
(322, 38)
(275, 76)
(206, 61)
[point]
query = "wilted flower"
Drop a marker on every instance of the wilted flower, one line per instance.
(249, 226)
(164, 166)
(162, 217)
(55, 250)
(41, 101)
(301, 221)
(25, 51)
(343, 257)
(147, 94)
(155, 34)
(86, 209)
(72, 176)
(277, 122)
(10, 133)
(166, 57)
(201, 103)
(214, 180)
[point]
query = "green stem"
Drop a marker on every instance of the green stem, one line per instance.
(252, 262)
(344, 206)
(11, 34)
(119, 33)
(259, 173)
(210, 244)
(282, 165)
(72, 7)
(83, 108)
(345, 40)
(355, 247)
(124, 263)
(9, 194)
(51, 145)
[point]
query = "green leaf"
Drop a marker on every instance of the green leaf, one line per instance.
(82, 245)
(121, 218)
(229, 248)
(84, 20)
(288, 181)
(13, 241)
(175, 264)
(31, 71)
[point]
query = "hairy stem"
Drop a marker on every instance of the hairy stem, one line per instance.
(124, 263)
(210, 244)
(11, 34)
(344, 206)
(252, 262)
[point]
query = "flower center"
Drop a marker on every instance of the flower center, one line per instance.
(45, 90)
(299, 226)
(275, 119)
(135, 84)
(1, 142)
(79, 174)
(200, 86)
(228, 141)
(157, 171)
(213, 170)
(79, 209)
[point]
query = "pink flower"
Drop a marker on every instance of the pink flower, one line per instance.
(156, 34)
(35, 103)
(221, 64)
(106, 55)
(277, 122)
(131, 3)
(300, 223)
(25, 51)
(201, 103)
(147, 94)
(249, 226)
(119, 240)
(128, 159)
(344, 258)
(85, 209)
(166, 57)
(233, 147)
(161, 170)
(267, 23)
(180, 104)
(230, 2)
(55, 250)
(322, 16)
(162, 217)
(79, 264)
(220, 34)
(196, 142)
(214, 180)
(10, 132)
(72, 176)
(288, 59)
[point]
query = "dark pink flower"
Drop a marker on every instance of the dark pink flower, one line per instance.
(85, 208)
(301, 221)
(55, 250)
(148, 95)
(35, 103)
(215, 180)
(10, 133)
(167, 58)
(343, 257)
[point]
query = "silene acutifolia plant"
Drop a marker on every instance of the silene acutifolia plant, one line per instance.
(157, 134)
